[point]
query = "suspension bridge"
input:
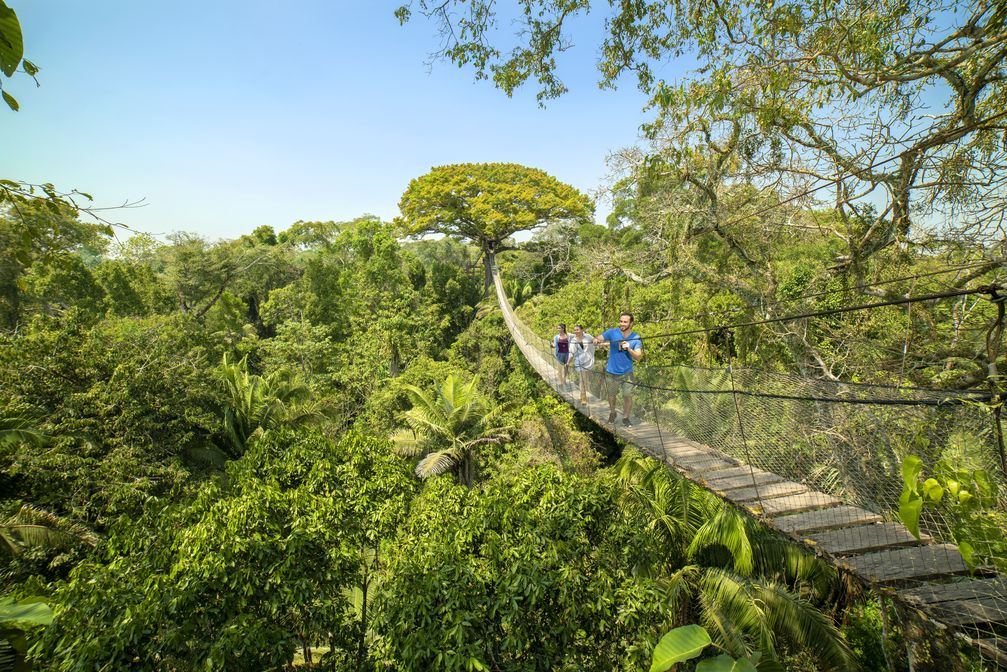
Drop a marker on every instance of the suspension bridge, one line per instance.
(814, 486)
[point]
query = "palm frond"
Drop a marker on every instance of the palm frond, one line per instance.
(435, 464)
(421, 423)
(259, 403)
(490, 439)
(679, 587)
(309, 412)
(726, 528)
(406, 444)
(782, 561)
(453, 426)
(800, 622)
(731, 612)
(16, 429)
(32, 527)
(631, 467)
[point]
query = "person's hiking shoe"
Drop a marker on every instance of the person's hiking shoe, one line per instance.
(626, 422)
(611, 417)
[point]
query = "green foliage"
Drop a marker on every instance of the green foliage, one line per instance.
(234, 579)
(300, 346)
(64, 282)
(547, 431)
(41, 240)
(775, 592)
(32, 527)
(385, 406)
(128, 405)
(131, 289)
(15, 430)
(966, 498)
(864, 630)
(518, 292)
(24, 612)
(673, 508)
(16, 618)
(487, 202)
(533, 572)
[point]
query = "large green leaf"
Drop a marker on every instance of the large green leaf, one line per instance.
(27, 612)
(911, 468)
(933, 490)
(11, 44)
(985, 486)
(968, 553)
(683, 643)
(910, 506)
(724, 663)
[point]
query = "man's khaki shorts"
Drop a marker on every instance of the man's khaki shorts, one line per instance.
(615, 382)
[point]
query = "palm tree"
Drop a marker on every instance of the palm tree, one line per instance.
(258, 403)
(447, 430)
(746, 586)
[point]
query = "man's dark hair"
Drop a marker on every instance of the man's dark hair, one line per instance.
(629, 315)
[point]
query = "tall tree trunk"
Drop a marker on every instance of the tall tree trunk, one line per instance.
(488, 261)
(395, 365)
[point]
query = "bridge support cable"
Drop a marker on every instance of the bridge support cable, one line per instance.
(823, 465)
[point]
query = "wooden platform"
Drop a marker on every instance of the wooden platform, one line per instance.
(931, 578)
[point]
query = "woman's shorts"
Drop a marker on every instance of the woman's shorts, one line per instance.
(562, 357)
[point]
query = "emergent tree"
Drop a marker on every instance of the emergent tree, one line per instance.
(486, 203)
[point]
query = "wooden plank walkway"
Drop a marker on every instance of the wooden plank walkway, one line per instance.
(931, 578)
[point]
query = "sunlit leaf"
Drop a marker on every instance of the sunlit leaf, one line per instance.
(910, 507)
(28, 612)
(911, 468)
(683, 643)
(11, 102)
(933, 490)
(968, 554)
(11, 43)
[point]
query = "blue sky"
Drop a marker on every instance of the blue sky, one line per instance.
(227, 115)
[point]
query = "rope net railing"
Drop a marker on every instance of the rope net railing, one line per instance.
(904, 486)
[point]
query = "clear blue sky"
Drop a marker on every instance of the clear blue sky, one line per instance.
(228, 115)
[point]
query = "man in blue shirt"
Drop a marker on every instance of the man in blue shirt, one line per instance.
(624, 349)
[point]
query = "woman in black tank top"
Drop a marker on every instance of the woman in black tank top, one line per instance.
(561, 346)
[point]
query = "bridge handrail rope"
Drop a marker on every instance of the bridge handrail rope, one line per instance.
(821, 467)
